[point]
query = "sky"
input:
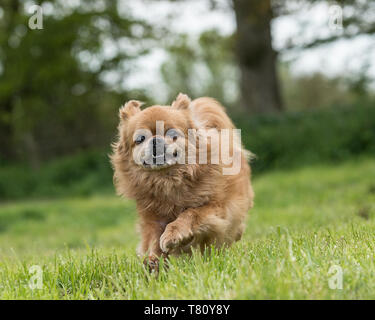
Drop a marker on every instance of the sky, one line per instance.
(194, 16)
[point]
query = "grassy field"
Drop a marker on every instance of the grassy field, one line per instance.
(307, 225)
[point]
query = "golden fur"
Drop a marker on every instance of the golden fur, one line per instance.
(183, 205)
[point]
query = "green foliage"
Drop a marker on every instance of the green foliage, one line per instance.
(207, 67)
(302, 138)
(53, 96)
(202, 67)
(317, 91)
(304, 222)
(82, 174)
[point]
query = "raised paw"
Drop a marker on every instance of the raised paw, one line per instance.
(175, 236)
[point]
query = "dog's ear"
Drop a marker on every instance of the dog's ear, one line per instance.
(130, 109)
(182, 102)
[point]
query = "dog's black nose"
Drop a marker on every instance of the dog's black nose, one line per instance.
(158, 148)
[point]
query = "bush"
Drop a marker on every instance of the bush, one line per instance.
(81, 174)
(294, 139)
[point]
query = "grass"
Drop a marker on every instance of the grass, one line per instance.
(304, 222)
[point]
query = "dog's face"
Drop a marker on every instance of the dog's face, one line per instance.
(157, 137)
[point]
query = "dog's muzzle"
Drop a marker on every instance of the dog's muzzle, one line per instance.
(158, 150)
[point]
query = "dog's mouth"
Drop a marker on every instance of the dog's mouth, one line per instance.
(154, 158)
(156, 162)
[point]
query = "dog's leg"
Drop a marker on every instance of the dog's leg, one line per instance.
(206, 222)
(150, 245)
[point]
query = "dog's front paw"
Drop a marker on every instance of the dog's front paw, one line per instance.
(175, 236)
(152, 263)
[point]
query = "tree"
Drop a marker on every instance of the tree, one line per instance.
(357, 17)
(203, 67)
(55, 96)
(256, 57)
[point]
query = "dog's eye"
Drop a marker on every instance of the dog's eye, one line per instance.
(173, 134)
(140, 139)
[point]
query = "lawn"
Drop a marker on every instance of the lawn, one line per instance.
(307, 226)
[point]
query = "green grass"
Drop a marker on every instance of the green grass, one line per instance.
(304, 222)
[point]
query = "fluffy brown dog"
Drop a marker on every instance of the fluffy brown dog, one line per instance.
(182, 200)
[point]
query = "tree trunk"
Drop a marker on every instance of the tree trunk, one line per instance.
(6, 133)
(257, 60)
(6, 104)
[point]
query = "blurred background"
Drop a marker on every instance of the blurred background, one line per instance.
(296, 76)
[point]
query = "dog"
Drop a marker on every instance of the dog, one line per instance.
(183, 200)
